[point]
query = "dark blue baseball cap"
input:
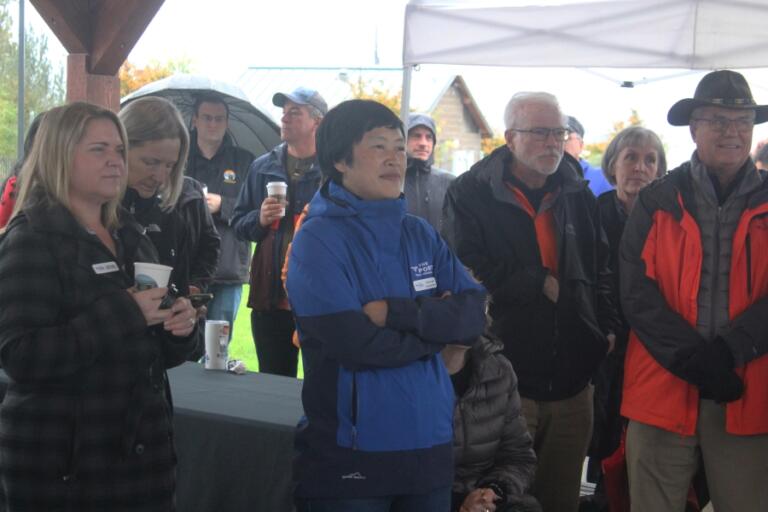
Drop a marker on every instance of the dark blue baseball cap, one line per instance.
(301, 96)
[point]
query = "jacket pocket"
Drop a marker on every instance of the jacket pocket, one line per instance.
(405, 408)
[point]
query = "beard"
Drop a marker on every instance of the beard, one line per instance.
(540, 166)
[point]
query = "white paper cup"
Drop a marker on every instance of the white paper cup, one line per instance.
(278, 190)
(216, 344)
(151, 275)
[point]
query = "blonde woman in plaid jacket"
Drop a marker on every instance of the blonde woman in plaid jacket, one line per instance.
(86, 422)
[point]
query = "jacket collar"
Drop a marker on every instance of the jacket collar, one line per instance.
(48, 217)
(750, 181)
(194, 149)
(491, 171)
(54, 218)
(382, 218)
(484, 365)
(417, 166)
(134, 203)
(276, 167)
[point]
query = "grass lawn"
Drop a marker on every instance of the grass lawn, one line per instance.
(241, 347)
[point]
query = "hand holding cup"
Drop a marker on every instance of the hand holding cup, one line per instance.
(151, 280)
(273, 206)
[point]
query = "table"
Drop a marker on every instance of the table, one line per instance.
(234, 439)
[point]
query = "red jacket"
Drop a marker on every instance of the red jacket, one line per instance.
(7, 200)
(661, 259)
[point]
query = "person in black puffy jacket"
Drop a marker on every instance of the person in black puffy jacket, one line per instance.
(493, 451)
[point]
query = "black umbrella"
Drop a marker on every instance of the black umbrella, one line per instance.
(249, 127)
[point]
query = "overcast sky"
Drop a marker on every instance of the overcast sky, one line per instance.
(223, 37)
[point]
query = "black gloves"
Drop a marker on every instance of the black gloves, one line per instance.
(710, 367)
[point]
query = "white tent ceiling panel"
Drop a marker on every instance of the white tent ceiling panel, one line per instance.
(695, 34)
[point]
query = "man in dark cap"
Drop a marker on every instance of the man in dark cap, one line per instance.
(270, 223)
(425, 184)
(694, 287)
(574, 145)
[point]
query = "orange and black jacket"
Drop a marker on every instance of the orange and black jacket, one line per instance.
(554, 348)
(661, 260)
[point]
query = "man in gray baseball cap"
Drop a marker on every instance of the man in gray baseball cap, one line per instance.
(270, 223)
(301, 96)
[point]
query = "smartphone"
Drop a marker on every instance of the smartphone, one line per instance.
(200, 299)
(170, 297)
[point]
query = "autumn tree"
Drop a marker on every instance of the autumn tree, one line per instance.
(594, 152)
(366, 90)
(132, 77)
(488, 144)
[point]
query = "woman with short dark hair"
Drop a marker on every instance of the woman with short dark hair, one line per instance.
(376, 294)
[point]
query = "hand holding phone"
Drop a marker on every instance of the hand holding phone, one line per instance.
(170, 297)
(200, 299)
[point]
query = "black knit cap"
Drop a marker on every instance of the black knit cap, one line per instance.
(344, 126)
(723, 88)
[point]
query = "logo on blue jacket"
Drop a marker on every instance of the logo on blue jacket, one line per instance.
(422, 274)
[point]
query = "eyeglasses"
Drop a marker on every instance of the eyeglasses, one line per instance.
(542, 134)
(721, 124)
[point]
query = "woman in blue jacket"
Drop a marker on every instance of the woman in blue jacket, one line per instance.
(376, 294)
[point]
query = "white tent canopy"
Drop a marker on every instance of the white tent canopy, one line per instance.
(693, 34)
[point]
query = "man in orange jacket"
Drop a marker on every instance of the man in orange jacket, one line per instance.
(694, 286)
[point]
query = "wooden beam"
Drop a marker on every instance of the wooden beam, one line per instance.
(107, 30)
(99, 35)
(69, 20)
(118, 26)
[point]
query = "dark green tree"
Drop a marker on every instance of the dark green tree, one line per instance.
(43, 82)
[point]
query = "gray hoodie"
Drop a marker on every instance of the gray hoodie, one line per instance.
(425, 185)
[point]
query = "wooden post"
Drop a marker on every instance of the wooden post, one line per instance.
(102, 90)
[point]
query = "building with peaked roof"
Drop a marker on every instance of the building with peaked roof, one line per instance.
(461, 125)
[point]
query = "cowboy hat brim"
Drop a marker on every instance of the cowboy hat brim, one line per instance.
(680, 113)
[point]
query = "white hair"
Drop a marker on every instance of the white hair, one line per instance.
(520, 99)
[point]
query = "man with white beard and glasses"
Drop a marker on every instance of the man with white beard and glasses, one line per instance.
(524, 221)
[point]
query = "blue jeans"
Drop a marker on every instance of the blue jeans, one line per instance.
(225, 303)
(438, 500)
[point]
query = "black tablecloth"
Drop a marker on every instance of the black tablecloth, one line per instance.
(234, 438)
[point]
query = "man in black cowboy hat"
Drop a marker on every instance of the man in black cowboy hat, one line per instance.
(694, 288)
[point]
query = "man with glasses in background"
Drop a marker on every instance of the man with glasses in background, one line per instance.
(694, 285)
(524, 221)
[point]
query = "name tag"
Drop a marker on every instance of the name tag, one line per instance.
(428, 283)
(105, 268)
